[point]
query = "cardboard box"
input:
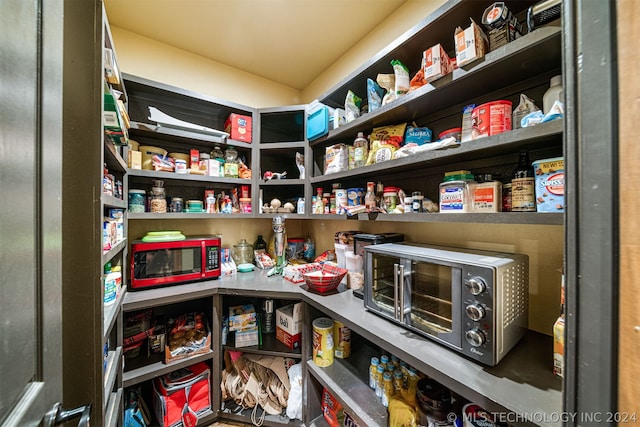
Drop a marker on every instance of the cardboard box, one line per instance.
(238, 127)
(558, 347)
(471, 44)
(549, 184)
(135, 159)
(242, 318)
(289, 325)
(183, 326)
(437, 63)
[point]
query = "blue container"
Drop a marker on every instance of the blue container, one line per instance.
(317, 121)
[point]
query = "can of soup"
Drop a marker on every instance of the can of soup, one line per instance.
(323, 342)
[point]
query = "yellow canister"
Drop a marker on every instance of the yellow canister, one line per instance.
(323, 342)
(342, 340)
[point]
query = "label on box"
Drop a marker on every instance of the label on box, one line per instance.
(247, 338)
(291, 341)
(238, 127)
(242, 317)
(471, 44)
(549, 184)
(289, 318)
(436, 63)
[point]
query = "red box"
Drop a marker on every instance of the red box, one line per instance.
(238, 127)
(291, 341)
(182, 397)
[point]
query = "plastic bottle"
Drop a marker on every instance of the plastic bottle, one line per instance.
(361, 150)
(553, 94)
(370, 197)
(218, 155)
(318, 207)
(523, 198)
(373, 372)
(309, 249)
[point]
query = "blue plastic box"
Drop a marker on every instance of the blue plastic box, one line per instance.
(317, 120)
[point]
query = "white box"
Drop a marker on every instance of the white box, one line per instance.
(471, 44)
(436, 63)
(289, 325)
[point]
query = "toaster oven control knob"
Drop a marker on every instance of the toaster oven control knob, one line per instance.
(475, 312)
(475, 337)
(475, 285)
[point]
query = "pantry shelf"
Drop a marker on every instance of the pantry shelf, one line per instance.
(185, 177)
(137, 300)
(186, 215)
(111, 315)
(111, 373)
(347, 381)
(153, 370)
(232, 412)
(114, 408)
(111, 253)
(545, 135)
(270, 347)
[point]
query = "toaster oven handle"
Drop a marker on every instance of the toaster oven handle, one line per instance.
(396, 308)
(401, 311)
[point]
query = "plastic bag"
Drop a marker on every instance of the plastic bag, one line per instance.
(524, 108)
(294, 403)
(393, 134)
(374, 95)
(336, 159)
(352, 106)
(388, 83)
(401, 73)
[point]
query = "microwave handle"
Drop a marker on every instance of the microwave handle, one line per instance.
(401, 311)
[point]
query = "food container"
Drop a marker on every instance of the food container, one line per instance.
(455, 193)
(137, 201)
(180, 156)
(453, 132)
(148, 151)
(323, 342)
(486, 197)
(181, 166)
(324, 279)
(490, 119)
(342, 340)
(549, 184)
(242, 253)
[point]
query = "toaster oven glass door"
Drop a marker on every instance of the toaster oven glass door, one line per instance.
(422, 295)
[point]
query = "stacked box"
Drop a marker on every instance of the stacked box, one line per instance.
(244, 322)
(289, 325)
(238, 127)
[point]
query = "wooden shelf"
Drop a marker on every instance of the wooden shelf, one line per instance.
(110, 315)
(270, 347)
(153, 370)
(111, 373)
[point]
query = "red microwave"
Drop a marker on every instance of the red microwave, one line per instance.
(155, 264)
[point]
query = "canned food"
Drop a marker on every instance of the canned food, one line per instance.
(323, 342)
(342, 340)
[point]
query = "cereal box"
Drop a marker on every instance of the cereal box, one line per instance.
(238, 127)
(549, 184)
(242, 317)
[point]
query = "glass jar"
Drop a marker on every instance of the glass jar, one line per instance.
(158, 200)
(418, 198)
(242, 253)
(218, 155)
(137, 201)
(231, 163)
(390, 197)
(177, 203)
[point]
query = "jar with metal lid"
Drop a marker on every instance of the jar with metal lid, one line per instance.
(177, 204)
(204, 162)
(418, 198)
(231, 163)
(158, 200)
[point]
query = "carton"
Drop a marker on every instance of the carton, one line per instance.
(471, 44)
(436, 63)
(549, 184)
(238, 127)
(289, 325)
(135, 159)
(247, 337)
(242, 318)
(558, 347)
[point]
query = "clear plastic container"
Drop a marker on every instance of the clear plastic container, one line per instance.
(231, 163)
(158, 202)
(137, 201)
(455, 192)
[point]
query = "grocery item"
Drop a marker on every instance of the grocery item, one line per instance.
(436, 63)
(549, 184)
(455, 193)
(393, 134)
(486, 197)
(336, 159)
(471, 44)
(323, 342)
(361, 150)
(342, 340)
(238, 127)
(467, 123)
(502, 26)
(388, 83)
(401, 73)
(417, 135)
(352, 106)
(558, 347)
(491, 118)
(524, 108)
(137, 201)
(451, 133)
(553, 94)
(523, 186)
(374, 95)
(332, 410)
(231, 163)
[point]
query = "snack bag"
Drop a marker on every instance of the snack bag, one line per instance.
(401, 73)
(388, 83)
(374, 95)
(525, 107)
(393, 135)
(352, 106)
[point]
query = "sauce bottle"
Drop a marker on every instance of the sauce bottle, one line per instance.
(361, 150)
(523, 197)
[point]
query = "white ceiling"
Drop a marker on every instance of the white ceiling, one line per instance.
(287, 41)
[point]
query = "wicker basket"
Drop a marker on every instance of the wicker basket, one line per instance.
(325, 279)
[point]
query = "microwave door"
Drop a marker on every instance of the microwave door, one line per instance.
(434, 300)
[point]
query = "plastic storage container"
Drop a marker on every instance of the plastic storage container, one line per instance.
(137, 201)
(455, 193)
(317, 120)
